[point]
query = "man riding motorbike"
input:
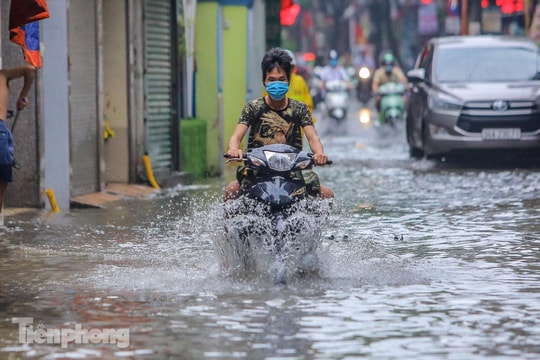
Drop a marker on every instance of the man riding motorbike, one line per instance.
(334, 71)
(362, 58)
(275, 119)
(389, 71)
(335, 87)
(364, 66)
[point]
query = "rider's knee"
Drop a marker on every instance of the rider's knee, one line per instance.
(326, 192)
(232, 191)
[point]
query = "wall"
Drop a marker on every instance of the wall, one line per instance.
(115, 103)
(221, 55)
(235, 69)
(256, 47)
(55, 103)
(206, 80)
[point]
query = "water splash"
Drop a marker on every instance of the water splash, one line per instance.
(257, 242)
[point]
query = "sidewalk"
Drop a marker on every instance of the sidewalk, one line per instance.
(112, 193)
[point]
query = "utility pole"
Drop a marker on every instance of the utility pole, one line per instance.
(527, 14)
(464, 17)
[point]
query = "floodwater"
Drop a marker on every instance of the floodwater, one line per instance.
(419, 259)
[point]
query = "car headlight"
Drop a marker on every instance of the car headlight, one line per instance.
(440, 104)
(280, 161)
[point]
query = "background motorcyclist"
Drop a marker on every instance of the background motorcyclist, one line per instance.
(363, 58)
(346, 60)
(387, 72)
(334, 71)
(362, 61)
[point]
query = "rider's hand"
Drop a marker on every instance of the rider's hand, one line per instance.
(235, 153)
(21, 103)
(320, 159)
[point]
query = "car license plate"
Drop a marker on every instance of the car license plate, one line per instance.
(501, 134)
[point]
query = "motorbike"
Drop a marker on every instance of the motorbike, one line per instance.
(336, 99)
(392, 108)
(274, 227)
(363, 85)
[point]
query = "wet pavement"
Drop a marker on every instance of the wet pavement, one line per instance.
(419, 259)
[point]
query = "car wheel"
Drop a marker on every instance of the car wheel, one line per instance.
(425, 135)
(413, 151)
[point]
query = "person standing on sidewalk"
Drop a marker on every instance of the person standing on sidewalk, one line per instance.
(6, 140)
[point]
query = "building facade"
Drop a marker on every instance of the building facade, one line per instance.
(118, 79)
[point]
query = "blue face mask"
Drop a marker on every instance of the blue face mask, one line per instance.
(277, 89)
(333, 62)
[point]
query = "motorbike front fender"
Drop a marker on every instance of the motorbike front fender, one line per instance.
(392, 101)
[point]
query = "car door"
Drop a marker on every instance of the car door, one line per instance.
(418, 100)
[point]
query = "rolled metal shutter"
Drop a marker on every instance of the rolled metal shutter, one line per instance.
(83, 117)
(158, 83)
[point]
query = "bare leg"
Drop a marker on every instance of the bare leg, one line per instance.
(4, 97)
(326, 192)
(232, 191)
(3, 187)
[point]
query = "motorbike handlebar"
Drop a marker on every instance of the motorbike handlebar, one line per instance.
(226, 156)
(328, 162)
(229, 158)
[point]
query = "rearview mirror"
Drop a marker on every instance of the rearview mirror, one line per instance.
(416, 75)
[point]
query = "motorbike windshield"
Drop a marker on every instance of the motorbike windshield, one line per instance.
(484, 64)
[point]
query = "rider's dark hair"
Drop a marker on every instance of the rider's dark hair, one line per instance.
(276, 58)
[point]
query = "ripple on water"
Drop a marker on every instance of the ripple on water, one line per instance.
(418, 259)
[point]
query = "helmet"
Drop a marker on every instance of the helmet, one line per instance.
(388, 59)
(290, 53)
(334, 60)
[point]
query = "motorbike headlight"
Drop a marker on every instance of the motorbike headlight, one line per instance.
(364, 73)
(441, 104)
(280, 161)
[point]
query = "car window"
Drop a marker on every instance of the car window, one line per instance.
(484, 64)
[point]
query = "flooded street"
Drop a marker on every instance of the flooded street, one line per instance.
(420, 259)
